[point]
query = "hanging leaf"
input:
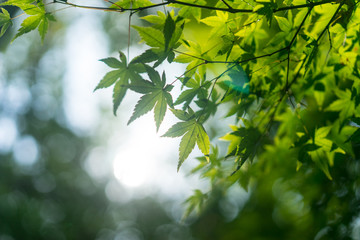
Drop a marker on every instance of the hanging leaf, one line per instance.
(151, 36)
(122, 77)
(39, 19)
(112, 62)
(118, 94)
(109, 79)
(145, 104)
(149, 55)
(169, 29)
(5, 21)
(156, 95)
(193, 133)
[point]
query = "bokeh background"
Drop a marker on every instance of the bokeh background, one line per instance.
(70, 169)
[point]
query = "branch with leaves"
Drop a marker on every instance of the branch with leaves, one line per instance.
(268, 63)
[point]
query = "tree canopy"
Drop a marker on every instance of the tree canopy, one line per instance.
(288, 72)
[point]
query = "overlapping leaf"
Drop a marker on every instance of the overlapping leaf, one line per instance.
(192, 132)
(5, 21)
(38, 18)
(162, 37)
(120, 77)
(156, 96)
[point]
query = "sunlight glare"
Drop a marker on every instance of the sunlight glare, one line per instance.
(129, 167)
(134, 163)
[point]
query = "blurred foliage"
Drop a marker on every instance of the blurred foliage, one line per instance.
(284, 204)
(45, 192)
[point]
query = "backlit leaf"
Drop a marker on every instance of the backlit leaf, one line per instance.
(187, 144)
(112, 62)
(179, 129)
(5, 21)
(109, 79)
(29, 24)
(160, 110)
(284, 24)
(144, 105)
(151, 36)
(202, 140)
(118, 94)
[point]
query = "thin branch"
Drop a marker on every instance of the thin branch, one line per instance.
(129, 33)
(187, 54)
(330, 43)
(234, 10)
(231, 10)
(187, 71)
(317, 41)
(287, 70)
(299, 28)
(112, 9)
(289, 47)
(260, 68)
(113, 3)
(228, 9)
(301, 120)
(226, 4)
(307, 5)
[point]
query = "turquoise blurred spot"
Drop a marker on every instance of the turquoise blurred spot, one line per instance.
(239, 81)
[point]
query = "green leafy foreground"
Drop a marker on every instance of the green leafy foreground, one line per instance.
(288, 71)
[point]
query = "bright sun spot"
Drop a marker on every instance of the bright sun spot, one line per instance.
(144, 156)
(141, 155)
(130, 167)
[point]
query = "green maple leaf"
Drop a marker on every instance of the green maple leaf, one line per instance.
(131, 4)
(197, 88)
(23, 4)
(244, 142)
(156, 96)
(192, 132)
(38, 18)
(324, 155)
(5, 21)
(194, 63)
(344, 105)
(121, 77)
(151, 36)
(195, 202)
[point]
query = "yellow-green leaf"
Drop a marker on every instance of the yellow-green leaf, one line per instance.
(151, 36)
(145, 104)
(202, 140)
(284, 24)
(187, 144)
(109, 79)
(160, 110)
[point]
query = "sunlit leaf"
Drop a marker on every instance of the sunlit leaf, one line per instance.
(179, 129)
(144, 105)
(5, 21)
(151, 36)
(118, 94)
(284, 24)
(160, 110)
(109, 79)
(112, 62)
(203, 140)
(187, 144)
